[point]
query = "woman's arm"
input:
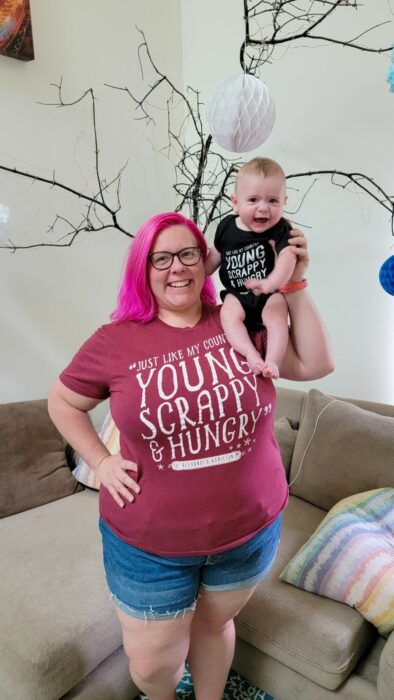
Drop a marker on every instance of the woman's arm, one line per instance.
(308, 355)
(69, 412)
(212, 261)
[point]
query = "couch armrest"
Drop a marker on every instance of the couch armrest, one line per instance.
(386, 671)
(33, 462)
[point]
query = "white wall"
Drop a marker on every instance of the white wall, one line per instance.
(334, 110)
(52, 299)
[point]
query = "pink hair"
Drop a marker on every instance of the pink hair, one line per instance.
(135, 299)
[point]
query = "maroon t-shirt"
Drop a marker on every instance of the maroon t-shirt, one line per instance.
(199, 426)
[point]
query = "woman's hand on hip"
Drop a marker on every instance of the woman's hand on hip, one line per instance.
(113, 475)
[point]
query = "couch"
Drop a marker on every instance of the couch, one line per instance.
(60, 638)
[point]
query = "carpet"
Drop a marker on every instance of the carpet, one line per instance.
(237, 688)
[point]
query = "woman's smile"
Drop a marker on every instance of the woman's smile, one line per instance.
(179, 283)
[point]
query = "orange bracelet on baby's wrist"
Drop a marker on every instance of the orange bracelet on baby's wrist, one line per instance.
(291, 287)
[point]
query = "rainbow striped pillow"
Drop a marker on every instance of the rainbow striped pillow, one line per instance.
(109, 434)
(350, 557)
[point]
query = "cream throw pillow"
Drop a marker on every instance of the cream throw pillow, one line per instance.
(349, 557)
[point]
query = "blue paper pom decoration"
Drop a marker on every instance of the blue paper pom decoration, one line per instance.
(386, 275)
(390, 72)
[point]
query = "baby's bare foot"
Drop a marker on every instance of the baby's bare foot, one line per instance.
(255, 362)
(270, 369)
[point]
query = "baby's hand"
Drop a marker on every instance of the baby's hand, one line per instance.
(259, 286)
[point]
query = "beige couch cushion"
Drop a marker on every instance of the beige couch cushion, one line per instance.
(111, 680)
(57, 623)
(317, 637)
(289, 402)
(386, 671)
(341, 449)
(286, 435)
(33, 462)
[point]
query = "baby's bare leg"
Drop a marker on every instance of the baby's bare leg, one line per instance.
(275, 314)
(232, 317)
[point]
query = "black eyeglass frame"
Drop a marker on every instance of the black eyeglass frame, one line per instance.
(175, 255)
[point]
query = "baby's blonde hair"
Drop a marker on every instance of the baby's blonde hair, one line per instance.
(261, 166)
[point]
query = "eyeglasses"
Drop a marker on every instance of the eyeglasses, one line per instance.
(162, 260)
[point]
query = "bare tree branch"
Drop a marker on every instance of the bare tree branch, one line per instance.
(62, 103)
(289, 21)
(362, 182)
(204, 177)
(200, 172)
(100, 215)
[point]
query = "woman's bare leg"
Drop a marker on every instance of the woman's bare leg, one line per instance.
(212, 640)
(232, 317)
(157, 650)
(275, 319)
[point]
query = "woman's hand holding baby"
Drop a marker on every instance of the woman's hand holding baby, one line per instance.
(299, 246)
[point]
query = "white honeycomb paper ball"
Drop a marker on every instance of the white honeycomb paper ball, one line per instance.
(241, 113)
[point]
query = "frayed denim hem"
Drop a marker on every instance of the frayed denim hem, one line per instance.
(151, 614)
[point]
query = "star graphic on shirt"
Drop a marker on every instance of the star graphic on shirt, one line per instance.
(238, 446)
(160, 466)
(247, 442)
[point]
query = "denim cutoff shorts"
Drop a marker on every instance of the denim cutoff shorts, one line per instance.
(152, 587)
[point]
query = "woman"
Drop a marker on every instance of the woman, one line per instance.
(191, 506)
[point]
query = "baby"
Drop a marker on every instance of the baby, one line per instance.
(251, 247)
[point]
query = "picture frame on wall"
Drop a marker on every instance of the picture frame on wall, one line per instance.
(16, 36)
